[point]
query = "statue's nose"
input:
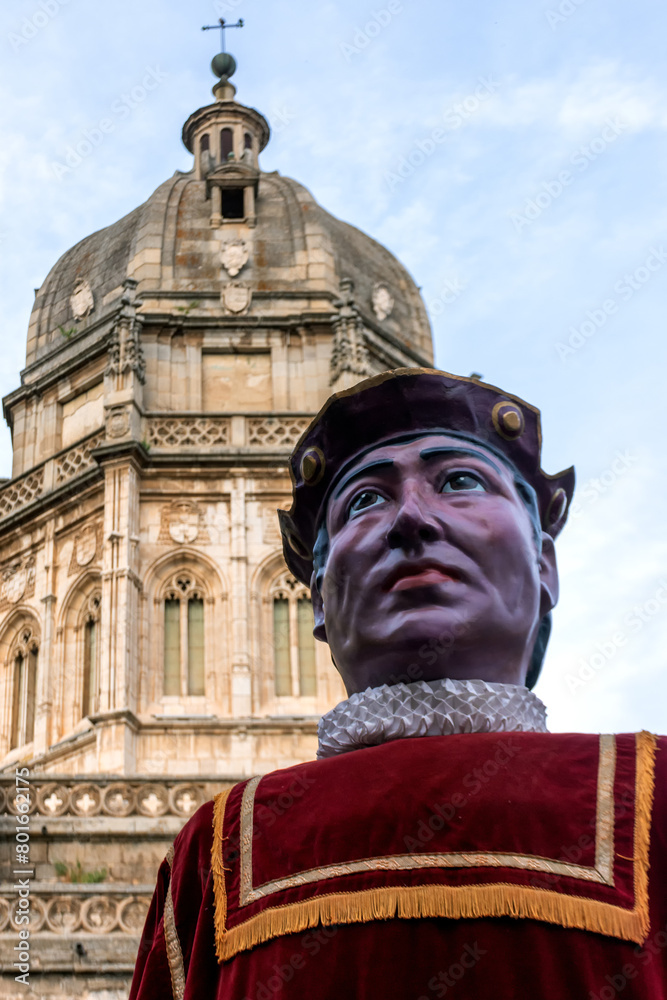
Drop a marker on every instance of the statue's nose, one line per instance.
(414, 525)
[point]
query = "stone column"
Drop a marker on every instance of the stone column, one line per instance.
(249, 205)
(279, 370)
(241, 679)
(121, 591)
(46, 660)
(216, 206)
(122, 458)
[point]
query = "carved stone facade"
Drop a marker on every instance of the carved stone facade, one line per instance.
(95, 846)
(350, 357)
(153, 648)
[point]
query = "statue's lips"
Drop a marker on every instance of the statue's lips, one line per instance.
(406, 577)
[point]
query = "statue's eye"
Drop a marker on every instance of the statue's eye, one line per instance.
(463, 482)
(369, 498)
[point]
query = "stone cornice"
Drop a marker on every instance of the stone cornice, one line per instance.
(123, 451)
(93, 341)
(229, 460)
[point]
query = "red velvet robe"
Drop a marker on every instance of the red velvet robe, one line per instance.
(480, 865)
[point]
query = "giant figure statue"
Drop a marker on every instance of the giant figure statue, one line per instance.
(443, 843)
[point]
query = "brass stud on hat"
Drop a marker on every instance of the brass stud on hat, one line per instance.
(508, 420)
(312, 466)
(297, 545)
(556, 508)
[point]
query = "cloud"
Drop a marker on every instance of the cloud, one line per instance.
(572, 108)
(605, 667)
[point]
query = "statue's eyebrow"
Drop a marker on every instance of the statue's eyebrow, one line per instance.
(444, 450)
(380, 463)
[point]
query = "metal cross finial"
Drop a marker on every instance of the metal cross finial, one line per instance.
(223, 26)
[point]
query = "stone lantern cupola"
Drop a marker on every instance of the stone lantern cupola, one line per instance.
(226, 139)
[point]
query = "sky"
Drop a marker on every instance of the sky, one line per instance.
(512, 155)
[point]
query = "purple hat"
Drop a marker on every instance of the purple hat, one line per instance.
(403, 403)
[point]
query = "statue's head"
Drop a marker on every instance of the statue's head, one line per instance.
(425, 527)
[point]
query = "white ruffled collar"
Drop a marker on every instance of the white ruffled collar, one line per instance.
(428, 708)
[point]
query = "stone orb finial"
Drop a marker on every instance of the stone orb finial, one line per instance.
(224, 65)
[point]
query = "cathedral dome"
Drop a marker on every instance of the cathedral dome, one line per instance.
(228, 240)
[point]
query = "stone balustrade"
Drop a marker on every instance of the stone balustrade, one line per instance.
(186, 431)
(113, 830)
(60, 908)
(172, 432)
(111, 797)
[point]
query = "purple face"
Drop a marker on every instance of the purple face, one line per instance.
(433, 568)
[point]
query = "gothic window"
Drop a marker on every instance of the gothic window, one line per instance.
(24, 688)
(184, 666)
(281, 646)
(306, 646)
(91, 654)
(226, 144)
(293, 641)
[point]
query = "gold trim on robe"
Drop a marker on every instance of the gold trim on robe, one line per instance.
(171, 939)
(471, 901)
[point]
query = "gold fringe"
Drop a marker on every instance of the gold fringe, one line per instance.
(217, 867)
(452, 902)
(644, 788)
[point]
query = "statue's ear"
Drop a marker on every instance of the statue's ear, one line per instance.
(319, 631)
(548, 575)
(548, 599)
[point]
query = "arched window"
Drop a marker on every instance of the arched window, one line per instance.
(204, 143)
(91, 654)
(184, 665)
(293, 641)
(226, 144)
(306, 646)
(24, 657)
(247, 141)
